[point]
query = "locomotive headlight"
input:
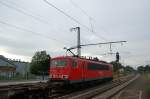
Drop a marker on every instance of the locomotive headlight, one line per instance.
(50, 76)
(65, 76)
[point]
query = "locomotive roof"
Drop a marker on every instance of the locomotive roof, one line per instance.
(73, 57)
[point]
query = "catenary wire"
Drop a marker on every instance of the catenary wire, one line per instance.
(85, 13)
(73, 19)
(26, 30)
(27, 14)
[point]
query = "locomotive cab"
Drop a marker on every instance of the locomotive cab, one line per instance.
(59, 69)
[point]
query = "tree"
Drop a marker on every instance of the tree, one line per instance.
(40, 63)
(128, 69)
(141, 69)
(147, 68)
(116, 65)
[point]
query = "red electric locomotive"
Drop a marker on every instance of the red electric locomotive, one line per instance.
(72, 70)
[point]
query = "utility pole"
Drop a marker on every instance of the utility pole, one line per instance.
(78, 47)
(78, 40)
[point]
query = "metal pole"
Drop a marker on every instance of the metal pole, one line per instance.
(78, 42)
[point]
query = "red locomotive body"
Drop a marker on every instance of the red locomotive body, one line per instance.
(73, 70)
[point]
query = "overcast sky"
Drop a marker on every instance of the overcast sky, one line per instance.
(27, 26)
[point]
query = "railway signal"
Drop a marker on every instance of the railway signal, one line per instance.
(117, 57)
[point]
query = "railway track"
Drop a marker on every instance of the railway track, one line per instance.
(39, 90)
(104, 91)
(11, 89)
(110, 93)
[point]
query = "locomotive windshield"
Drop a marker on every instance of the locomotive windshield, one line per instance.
(59, 63)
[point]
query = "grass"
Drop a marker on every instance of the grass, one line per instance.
(148, 83)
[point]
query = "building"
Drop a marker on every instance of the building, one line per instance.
(11, 67)
(21, 67)
(7, 68)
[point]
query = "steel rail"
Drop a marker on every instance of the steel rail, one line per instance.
(91, 92)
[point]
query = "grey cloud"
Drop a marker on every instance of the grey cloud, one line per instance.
(112, 19)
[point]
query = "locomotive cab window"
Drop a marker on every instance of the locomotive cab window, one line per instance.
(74, 63)
(59, 63)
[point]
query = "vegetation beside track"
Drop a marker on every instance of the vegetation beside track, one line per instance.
(119, 70)
(148, 84)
